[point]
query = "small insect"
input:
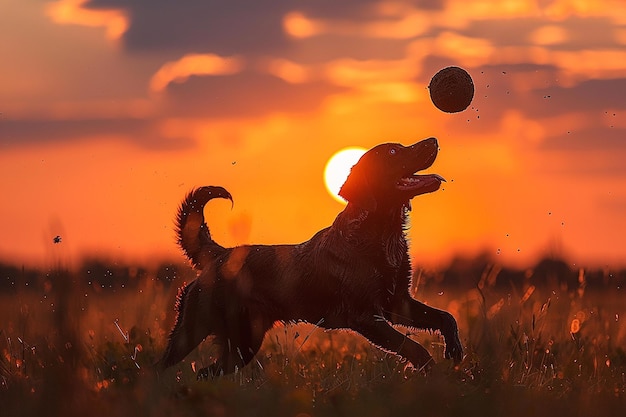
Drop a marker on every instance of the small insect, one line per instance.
(56, 239)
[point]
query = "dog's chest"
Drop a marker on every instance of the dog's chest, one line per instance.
(376, 284)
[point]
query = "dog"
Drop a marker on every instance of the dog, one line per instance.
(354, 274)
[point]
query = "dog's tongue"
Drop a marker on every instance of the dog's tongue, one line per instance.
(416, 182)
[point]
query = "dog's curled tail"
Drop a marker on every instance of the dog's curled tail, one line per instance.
(193, 234)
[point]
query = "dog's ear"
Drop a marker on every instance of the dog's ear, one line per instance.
(357, 190)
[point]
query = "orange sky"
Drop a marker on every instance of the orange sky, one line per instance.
(111, 110)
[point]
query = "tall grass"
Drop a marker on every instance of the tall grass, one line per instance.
(537, 343)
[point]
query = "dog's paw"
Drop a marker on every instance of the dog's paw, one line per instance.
(454, 350)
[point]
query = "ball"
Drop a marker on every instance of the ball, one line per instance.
(451, 89)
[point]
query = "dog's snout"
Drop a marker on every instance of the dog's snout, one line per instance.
(430, 142)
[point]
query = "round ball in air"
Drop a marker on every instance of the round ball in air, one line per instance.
(451, 89)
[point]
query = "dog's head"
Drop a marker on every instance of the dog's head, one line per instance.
(385, 175)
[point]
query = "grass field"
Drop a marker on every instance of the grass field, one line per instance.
(549, 340)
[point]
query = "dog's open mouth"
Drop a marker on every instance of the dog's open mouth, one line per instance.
(420, 184)
(419, 157)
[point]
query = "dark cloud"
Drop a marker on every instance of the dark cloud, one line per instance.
(602, 139)
(139, 132)
(581, 32)
(510, 32)
(247, 94)
(332, 9)
(222, 27)
(590, 33)
(248, 27)
(325, 48)
(360, 10)
(589, 95)
(429, 4)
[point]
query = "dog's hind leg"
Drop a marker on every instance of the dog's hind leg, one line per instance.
(242, 340)
(193, 323)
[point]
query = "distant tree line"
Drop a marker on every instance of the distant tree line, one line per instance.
(550, 274)
(95, 274)
(461, 274)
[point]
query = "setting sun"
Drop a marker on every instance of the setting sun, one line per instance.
(338, 167)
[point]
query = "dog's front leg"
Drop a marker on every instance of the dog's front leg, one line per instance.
(411, 313)
(382, 334)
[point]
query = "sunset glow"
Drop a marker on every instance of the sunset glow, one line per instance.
(74, 12)
(194, 64)
(110, 114)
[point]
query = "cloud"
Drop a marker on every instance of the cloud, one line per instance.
(407, 25)
(209, 54)
(289, 71)
(549, 35)
(245, 94)
(115, 21)
(345, 10)
(570, 34)
(193, 64)
(321, 49)
(591, 95)
(598, 139)
(198, 26)
(352, 72)
(138, 132)
(248, 27)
